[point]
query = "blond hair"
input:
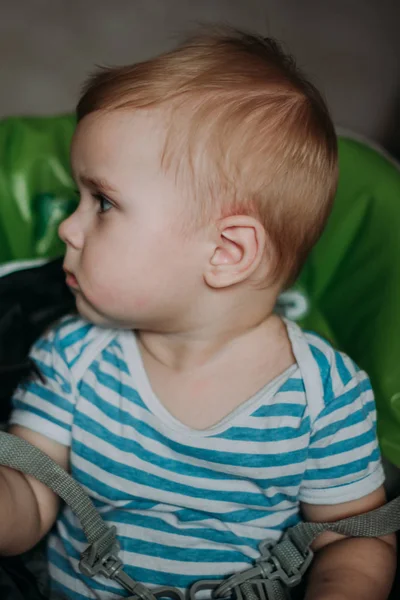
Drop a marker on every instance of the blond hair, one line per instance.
(254, 134)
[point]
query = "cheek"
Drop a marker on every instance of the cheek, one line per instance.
(102, 266)
(134, 268)
(116, 277)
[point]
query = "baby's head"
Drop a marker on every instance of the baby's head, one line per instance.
(240, 133)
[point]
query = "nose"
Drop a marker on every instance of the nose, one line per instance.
(71, 231)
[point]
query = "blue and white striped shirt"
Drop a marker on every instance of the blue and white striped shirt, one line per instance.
(192, 504)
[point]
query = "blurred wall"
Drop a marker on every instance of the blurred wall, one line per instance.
(350, 48)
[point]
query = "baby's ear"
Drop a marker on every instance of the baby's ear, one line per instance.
(238, 251)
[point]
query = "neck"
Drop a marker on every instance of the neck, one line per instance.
(211, 332)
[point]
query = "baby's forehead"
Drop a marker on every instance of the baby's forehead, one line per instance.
(124, 124)
(117, 135)
(122, 151)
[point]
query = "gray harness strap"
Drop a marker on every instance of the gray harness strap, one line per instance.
(288, 560)
(281, 565)
(101, 556)
(18, 454)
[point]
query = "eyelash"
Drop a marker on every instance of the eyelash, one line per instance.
(101, 199)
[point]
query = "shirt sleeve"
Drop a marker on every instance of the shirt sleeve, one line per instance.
(47, 406)
(344, 460)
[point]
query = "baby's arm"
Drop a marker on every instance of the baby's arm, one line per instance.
(350, 568)
(28, 508)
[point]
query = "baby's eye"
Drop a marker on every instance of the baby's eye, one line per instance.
(104, 203)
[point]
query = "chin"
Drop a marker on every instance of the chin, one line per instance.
(89, 313)
(101, 319)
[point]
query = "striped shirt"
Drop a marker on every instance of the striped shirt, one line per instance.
(194, 504)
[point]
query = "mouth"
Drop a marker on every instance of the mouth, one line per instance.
(71, 280)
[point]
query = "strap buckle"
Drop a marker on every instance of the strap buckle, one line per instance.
(258, 581)
(267, 569)
(162, 593)
(101, 557)
(256, 589)
(272, 567)
(204, 585)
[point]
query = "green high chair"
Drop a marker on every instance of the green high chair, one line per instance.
(349, 290)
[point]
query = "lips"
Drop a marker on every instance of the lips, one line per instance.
(70, 279)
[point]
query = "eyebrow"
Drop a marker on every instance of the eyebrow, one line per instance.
(99, 183)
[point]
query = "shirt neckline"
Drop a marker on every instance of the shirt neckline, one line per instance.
(141, 383)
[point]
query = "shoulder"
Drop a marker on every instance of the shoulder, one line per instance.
(337, 370)
(68, 338)
(347, 394)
